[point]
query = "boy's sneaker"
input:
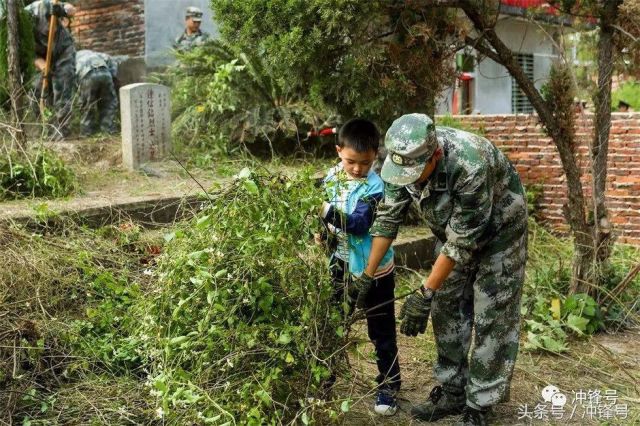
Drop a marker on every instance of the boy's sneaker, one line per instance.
(439, 404)
(386, 403)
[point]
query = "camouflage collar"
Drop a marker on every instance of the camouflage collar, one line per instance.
(438, 179)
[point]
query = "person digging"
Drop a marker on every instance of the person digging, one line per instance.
(472, 200)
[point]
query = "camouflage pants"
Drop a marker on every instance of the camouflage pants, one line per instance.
(485, 296)
(60, 95)
(98, 101)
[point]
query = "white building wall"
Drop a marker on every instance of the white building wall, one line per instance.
(493, 82)
(164, 22)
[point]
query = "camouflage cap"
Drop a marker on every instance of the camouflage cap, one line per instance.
(410, 142)
(194, 13)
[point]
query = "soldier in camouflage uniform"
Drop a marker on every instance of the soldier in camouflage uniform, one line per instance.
(472, 199)
(97, 73)
(192, 35)
(63, 60)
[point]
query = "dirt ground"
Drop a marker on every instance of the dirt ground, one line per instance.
(605, 362)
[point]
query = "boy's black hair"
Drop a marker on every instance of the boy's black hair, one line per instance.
(360, 135)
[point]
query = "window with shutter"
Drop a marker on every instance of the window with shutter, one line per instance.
(519, 102)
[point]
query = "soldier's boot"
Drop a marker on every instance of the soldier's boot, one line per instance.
(439, 404)
(473, 417)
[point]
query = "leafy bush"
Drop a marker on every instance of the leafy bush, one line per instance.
(241, 325)
(40, 173)
(533, 193)
(240, 103)
(550, 315)
(629, 92)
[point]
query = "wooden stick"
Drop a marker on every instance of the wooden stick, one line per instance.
(623, 284)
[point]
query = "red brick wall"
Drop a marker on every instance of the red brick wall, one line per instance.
(115, 27)
(537, 160)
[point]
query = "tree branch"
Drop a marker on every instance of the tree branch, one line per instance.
(478, 44)
(623, 31)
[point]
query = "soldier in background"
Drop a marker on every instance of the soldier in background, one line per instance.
(192, 35)
(63, 59)
(472, 199)
(97, 80)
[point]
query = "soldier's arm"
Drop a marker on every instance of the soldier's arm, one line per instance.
(390, 214)
(472, 207)
(177, 41)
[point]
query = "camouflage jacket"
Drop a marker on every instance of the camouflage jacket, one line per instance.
(63, 50)
(187, 42)
(473, 198)
(88, 60)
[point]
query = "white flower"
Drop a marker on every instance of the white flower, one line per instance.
(160, 413)
(148, 272)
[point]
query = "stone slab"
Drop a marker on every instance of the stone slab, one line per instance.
(145, 116)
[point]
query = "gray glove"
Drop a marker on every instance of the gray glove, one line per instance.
(415, 313)
(359, 289)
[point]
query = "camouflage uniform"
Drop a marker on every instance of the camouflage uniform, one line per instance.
(475, 205)
(63, 62)
(186, 42)
(96, 73)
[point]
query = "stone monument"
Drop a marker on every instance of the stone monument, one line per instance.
(145, 116)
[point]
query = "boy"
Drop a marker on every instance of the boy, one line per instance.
(354, 190)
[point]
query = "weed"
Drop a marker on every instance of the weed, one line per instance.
(39, 173)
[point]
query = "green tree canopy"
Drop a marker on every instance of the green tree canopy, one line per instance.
(360, 57)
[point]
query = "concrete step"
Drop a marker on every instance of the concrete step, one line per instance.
(414, 246)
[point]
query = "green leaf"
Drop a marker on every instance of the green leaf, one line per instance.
(203, 220)
(289, 359)
(178, 340)
(577, 323)
(251, 187)
(244, 173)
(553, 345)
(284, 339)
(589, 311)
(345, 406)
(264, 396)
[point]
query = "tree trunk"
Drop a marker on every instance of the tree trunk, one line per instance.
(15, 80)
(600, 145)
(575, 210)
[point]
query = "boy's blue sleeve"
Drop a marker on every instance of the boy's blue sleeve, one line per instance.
(360, 220)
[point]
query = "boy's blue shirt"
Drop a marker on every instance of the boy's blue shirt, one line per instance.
(362, 198)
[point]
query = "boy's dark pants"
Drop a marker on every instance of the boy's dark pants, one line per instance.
(381, 321)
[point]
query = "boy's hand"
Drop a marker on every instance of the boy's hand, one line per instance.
(359, 289)
(415, 313)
